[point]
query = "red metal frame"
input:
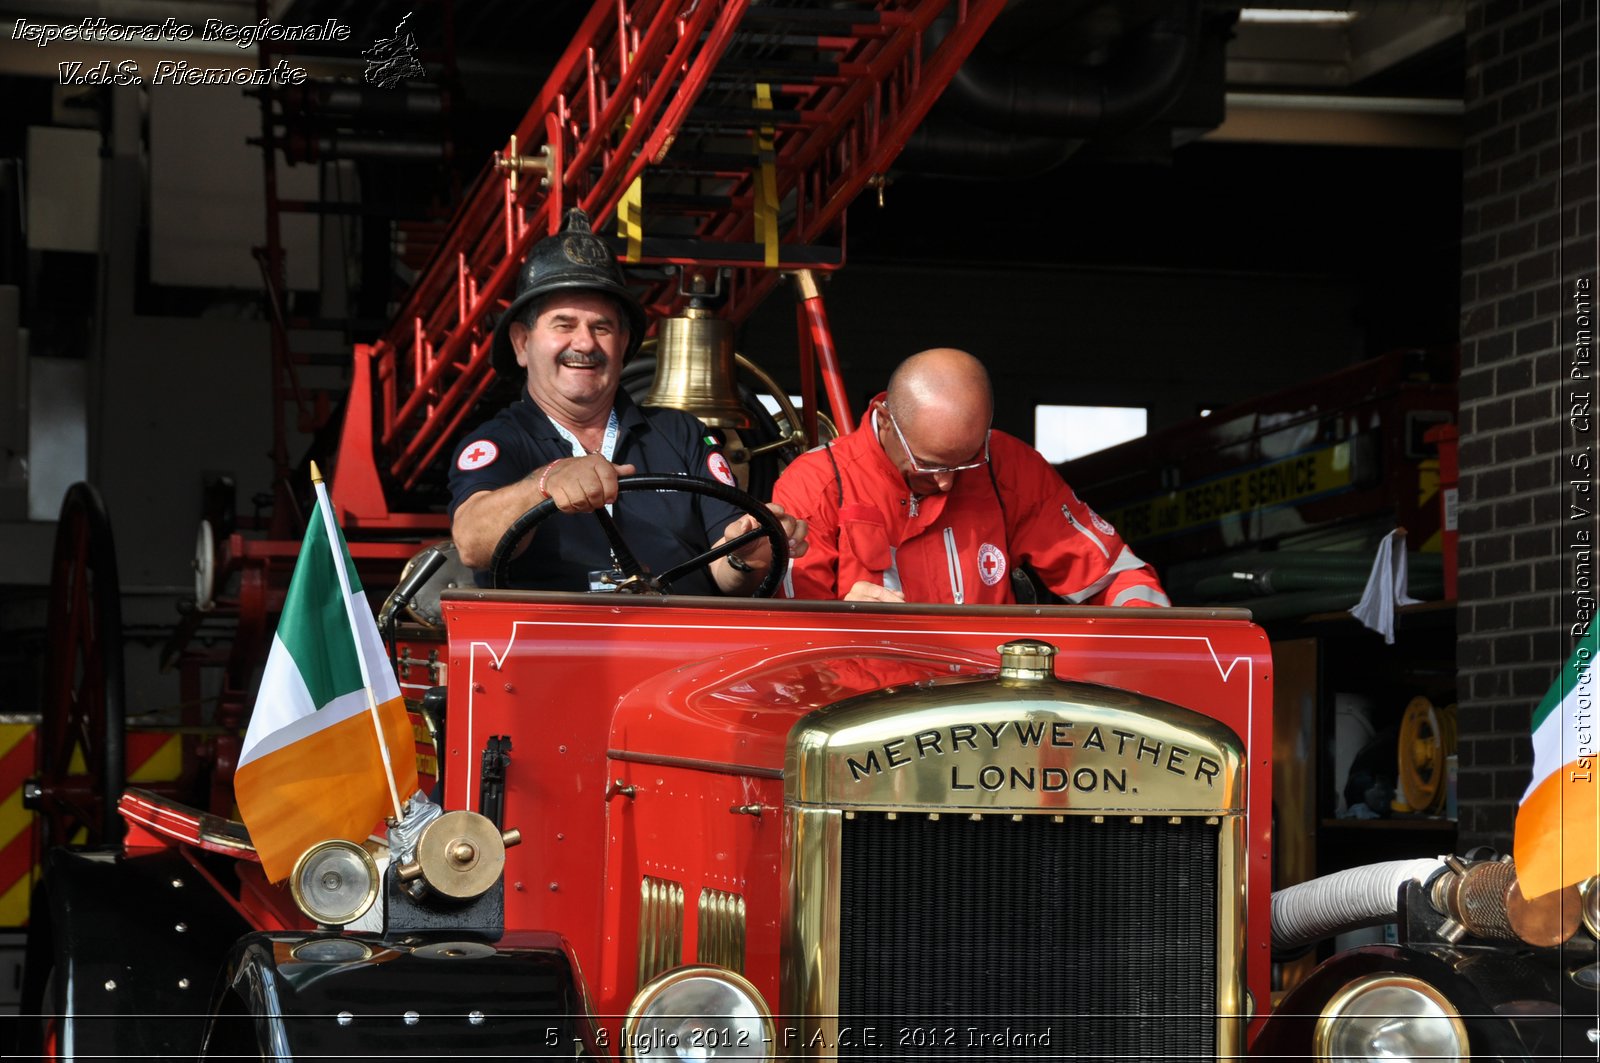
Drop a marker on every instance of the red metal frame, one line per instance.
(819, 347)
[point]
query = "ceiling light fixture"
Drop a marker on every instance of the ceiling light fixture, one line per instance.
(1289, 16)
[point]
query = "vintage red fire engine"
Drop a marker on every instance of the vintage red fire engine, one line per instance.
(750, 828)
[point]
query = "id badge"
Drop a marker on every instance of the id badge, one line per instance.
(605, 579)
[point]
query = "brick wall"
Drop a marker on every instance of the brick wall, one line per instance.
(1528, 280)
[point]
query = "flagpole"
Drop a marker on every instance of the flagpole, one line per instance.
(334, 539)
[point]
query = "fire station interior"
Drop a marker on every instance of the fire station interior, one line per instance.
(1252, 241)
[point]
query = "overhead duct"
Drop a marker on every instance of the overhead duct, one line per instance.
(1144, 80)
(1001, 117)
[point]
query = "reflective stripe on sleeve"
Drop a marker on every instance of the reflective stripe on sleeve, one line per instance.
(1125, 561)
(1141, 593)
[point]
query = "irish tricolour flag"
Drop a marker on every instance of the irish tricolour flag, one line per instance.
(1555, 842)
(328, 717)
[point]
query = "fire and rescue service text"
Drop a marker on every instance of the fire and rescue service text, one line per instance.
(1291, 480)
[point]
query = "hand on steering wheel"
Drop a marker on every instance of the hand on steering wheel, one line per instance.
(641, 582)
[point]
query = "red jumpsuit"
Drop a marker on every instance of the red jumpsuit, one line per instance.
(956, 547)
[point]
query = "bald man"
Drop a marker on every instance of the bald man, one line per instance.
(926, 503)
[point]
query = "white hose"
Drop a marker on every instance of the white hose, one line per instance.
(1344, 900)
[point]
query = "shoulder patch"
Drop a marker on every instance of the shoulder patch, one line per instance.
(477, 454)
(1101, 523)
(719, 468)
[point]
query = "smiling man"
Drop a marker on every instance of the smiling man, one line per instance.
(572, 434)
(926, 503)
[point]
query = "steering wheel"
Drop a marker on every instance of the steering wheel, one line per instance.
(638, 581)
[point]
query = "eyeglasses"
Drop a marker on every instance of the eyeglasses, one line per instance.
(935, 470)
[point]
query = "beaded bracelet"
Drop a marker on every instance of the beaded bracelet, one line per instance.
(543, 476)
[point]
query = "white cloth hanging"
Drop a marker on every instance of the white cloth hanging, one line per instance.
(1386, 587)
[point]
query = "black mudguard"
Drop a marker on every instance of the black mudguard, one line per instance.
(1516, 1003)
(122, 956)
(327, 995)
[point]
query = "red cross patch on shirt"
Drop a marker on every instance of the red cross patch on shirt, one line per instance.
(477, 454)
(991, 564)
(719, 467)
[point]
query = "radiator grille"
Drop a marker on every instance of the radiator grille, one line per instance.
(1069, 939)
(721, 930)
(660, 926)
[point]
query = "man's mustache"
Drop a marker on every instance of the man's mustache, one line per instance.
(581, 359)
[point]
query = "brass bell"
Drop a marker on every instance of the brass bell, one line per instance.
(695, 369)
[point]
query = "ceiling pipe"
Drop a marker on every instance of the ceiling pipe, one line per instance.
(999, 118)
(1146, 79)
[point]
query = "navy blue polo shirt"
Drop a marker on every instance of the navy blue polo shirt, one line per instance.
(663, 528)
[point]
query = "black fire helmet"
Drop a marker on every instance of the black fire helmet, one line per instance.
(574, 259)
